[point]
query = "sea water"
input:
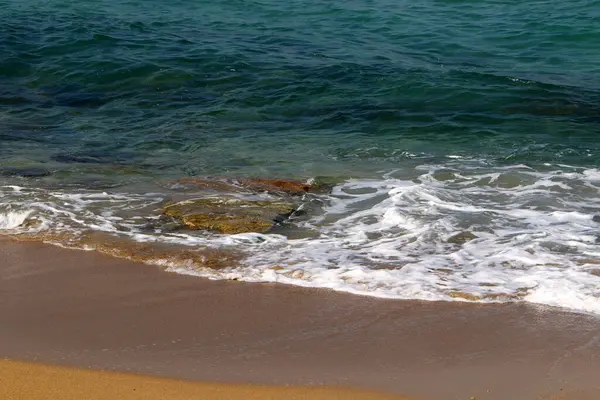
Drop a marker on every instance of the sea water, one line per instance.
(462, 136)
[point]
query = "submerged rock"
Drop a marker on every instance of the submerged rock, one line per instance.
(100, 156)
(157, 253)
(324, 184)
(279, 187)
(224, 213)
(229, 215)
(67, 158)
(462, 237)
(457, 294)
(215, 184)
(25, 172)
(276, 185)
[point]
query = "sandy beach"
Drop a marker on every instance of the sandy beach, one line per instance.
(90, 311)
(31, 381)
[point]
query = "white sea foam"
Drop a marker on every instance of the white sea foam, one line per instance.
(534, 240)
(12, 219)
(441, 232)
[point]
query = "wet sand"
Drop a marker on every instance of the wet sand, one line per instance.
(84, 309)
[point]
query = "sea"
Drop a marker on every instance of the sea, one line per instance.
(460, 139)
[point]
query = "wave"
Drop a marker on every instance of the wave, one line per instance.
(460, 231)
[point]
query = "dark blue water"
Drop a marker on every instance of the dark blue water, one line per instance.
(297, 88)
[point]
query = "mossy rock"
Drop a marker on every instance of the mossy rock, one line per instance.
(229, 215)
(462, 237)
(226, 223)
(324, 184)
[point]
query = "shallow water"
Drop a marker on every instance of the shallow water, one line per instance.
(461, 135)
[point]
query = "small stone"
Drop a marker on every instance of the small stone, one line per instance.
(297, 274)
(457, 294)
(32, 223)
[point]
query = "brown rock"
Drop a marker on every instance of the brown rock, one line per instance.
(226, 223)
(324, 184)
(457, 294)
(589, 261)
(462, 237)
(152, 253)
(206, 183)
(276, 185)
(149, 253)
(229, 215)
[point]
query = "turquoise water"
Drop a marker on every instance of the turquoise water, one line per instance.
(297, 88)
(490, 104)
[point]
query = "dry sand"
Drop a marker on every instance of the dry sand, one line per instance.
(87, 310)
(27, 381)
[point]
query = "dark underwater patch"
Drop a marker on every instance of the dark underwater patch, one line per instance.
(92, 157)
(24, 172)
(73, 95)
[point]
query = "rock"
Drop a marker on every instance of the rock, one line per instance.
(25, 172)
(226, 223)
(589, 261)
(324, 184)
(461, 238)
(457, 294)
(444, 175)
(276, 185)
(159, 253)
(205, 183)
(229, 215)
(297, 274)
(31, 223)
(67, 158)
(94, 157)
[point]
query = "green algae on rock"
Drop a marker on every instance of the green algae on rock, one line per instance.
(462, 237)
(229, 215)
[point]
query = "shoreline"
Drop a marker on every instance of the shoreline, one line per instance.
(87, 310)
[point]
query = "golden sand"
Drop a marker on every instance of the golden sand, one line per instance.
(21, 381)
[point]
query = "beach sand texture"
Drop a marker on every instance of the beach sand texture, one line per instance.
(87, 310)
(20, 380)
